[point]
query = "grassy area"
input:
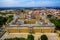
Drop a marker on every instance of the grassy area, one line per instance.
(55, 21)
(15, 39)
(9, 18)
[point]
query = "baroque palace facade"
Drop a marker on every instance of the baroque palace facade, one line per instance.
(30, 22)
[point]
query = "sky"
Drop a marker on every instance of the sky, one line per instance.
(29, 3)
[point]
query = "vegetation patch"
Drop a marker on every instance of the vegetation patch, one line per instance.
(44, 37)
(30, 37)
(55, 21)
(15, 39)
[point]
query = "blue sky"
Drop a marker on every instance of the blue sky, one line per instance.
(29, 3)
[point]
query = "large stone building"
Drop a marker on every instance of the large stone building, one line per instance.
(26, 24)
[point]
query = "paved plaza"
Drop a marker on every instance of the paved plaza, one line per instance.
(51, 36)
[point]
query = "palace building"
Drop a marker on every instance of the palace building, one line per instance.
(30, 23)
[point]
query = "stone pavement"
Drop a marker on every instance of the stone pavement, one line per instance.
(51, 36)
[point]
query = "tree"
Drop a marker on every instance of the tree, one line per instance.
(22, 39)
(9, 39)
(30, 37)
(44, 37)
(49, 16)
(3, 21)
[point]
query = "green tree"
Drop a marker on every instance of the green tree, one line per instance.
(3, 21)
(49, 16)
(30, 37)
(44, 37)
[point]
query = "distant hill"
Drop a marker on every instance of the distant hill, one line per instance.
(7, 8)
